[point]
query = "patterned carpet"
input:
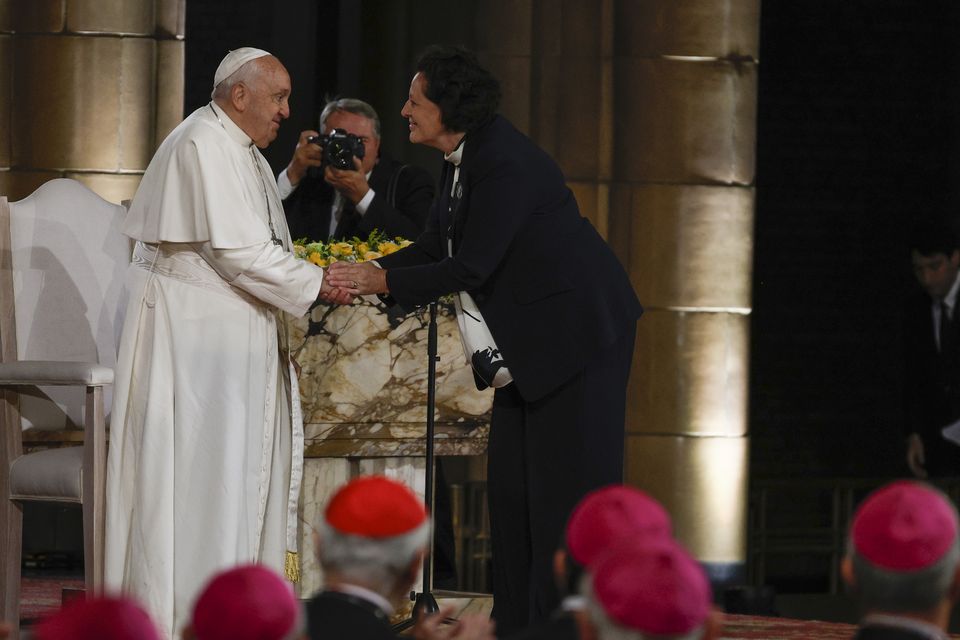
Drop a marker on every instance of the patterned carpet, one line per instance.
(735, 627)
(758, 627)
(40, 595)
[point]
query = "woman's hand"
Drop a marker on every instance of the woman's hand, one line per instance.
(358, 279)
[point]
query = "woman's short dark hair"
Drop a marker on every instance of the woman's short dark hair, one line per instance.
(468, 95)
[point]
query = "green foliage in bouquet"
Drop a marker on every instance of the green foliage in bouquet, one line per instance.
(322, 254)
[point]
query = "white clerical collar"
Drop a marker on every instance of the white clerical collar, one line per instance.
(364, 594)
(236, 133)
(455, 156)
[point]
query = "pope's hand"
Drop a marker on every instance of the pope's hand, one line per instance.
(358, 279)
(331, 293)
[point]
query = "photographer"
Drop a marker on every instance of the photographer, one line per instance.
(323, 202)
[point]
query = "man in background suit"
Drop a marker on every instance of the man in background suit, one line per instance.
(378, 192)
(324, 203)
(932, 354)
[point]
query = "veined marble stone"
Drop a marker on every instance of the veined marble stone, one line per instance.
(363, 388)
(363, 364)
(321, 478)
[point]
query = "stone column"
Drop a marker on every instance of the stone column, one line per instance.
(685, 114)
(649, 106)
(88, 89)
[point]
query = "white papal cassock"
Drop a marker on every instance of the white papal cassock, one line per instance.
(206, 444)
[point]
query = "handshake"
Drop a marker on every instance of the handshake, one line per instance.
(344, 281)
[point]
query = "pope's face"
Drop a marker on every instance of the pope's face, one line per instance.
(266, 101)
(360, 126)
(423, 116)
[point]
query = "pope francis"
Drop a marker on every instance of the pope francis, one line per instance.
(206, 447)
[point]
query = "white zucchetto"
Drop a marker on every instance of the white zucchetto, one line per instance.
(234, 60)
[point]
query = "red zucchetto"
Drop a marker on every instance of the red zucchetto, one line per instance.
(606, 515)
(375, 507)
(654, 587)
(904, 526)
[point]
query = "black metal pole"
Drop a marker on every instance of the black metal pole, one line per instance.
(424, 603)
(429, 497)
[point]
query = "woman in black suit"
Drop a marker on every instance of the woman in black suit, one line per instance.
(546, 307)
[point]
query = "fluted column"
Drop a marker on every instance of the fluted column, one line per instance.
(88, 88)
(649, 106)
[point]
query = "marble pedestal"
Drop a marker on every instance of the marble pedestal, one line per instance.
(364, 394)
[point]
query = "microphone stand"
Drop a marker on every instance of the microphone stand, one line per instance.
(424, 603)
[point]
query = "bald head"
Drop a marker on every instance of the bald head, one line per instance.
(255, 96)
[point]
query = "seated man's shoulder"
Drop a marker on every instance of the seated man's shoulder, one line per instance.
(329, 613)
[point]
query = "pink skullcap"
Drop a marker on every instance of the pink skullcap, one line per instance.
(904, 526)
(250, 602)
(606, 515)
(654, 587)
(375, 507)
(100, 618)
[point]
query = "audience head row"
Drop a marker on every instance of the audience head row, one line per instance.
(618, 553)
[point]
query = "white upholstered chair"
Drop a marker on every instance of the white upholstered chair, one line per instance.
(62, 263)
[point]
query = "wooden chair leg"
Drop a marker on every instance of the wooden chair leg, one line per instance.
(11, 543)
(94, 491)
(11, 514)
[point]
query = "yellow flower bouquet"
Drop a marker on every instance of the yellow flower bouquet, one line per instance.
(323, 254)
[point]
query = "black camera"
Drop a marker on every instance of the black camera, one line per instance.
(339, 148)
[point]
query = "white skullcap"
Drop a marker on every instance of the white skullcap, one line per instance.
(234, 60)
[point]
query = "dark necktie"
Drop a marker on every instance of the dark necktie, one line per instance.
(948, 334)
(348, 222)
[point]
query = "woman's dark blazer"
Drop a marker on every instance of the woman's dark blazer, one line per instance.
(549, 287)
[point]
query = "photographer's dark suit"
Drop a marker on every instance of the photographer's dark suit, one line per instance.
(563, 314)
(931, 385)
(399, 208)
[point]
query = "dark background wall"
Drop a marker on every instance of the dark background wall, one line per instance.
(857, 138)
